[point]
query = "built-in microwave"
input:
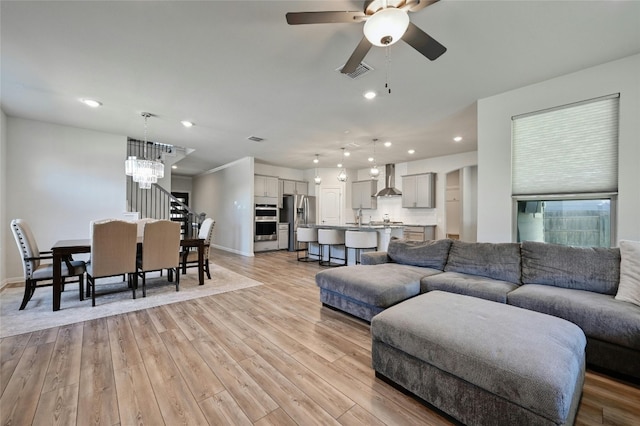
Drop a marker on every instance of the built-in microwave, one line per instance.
(266, 212)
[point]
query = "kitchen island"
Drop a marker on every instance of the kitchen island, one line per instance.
(384, 230)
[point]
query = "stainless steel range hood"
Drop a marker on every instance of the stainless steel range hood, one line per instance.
(389, 182)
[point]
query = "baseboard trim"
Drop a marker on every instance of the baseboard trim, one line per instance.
(241, 253)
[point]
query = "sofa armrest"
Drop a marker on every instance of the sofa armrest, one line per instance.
(374, 258)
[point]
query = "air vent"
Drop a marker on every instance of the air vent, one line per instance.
(361, 70)
(255, 139)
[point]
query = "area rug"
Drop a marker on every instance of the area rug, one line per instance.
(112, 297)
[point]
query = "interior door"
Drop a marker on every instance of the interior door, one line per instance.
(330, 204)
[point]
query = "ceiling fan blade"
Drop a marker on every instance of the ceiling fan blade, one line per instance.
(423, 42)
(417, 5)
(297, 18)
(357, 56)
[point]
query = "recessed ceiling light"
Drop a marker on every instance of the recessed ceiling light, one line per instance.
(457, 138)
(174, 167)
(186, 123)
(339, 165)
(347, 153)
(412, 151)
(370, 159)
(387, 144)
(369, 95)
(315, 160)
(90, 102)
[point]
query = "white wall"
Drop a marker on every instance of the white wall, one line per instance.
(280, 172)
(59, 179)
(4, 222)
(226, 195)
(183, 184)
(495, 210)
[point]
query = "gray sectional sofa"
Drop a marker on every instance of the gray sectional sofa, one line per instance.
(575, 284)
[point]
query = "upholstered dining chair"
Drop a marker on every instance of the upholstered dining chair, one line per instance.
(36, 272)
(160, 250)
(190, 257)
(113, 252)
(141, 223)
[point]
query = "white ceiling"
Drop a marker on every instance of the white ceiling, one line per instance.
(237, 69)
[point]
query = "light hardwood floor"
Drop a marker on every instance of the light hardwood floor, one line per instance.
(268, 355)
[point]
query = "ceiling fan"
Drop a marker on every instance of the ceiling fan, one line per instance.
(386, 22)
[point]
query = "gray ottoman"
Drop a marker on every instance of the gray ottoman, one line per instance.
(482, 362)
(364, 291)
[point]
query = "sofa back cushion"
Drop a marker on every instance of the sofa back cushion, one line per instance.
(429, 254)
(594, 269)
(500, 261)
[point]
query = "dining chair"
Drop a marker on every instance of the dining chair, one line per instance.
(160, 250)
(113, 252)
(36, 272)
(190, 257)
(141, 223)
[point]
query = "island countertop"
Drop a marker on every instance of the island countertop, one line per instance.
(354, 227)
(364, 226)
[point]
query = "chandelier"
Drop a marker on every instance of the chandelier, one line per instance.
(144, 171)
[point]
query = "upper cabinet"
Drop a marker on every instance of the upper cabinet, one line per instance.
(363, 194)
(418, 191)
(265, 186)
(294, 187)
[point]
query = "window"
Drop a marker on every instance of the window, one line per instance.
(565, 173)
(573, 222)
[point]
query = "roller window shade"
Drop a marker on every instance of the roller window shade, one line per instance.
(571, 149)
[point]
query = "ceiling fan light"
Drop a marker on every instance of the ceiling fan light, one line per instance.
(386, 26)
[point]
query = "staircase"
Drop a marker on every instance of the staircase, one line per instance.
(158, 203)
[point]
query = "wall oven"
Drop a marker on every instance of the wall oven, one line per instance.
(266, 222)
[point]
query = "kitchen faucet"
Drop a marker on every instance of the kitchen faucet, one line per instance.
(359, 218)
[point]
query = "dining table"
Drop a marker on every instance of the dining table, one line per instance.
(64, 249)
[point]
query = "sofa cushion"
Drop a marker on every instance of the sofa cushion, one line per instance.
(599, 315)
(629, 287)
(374, 257)
(428, 254)
(500, 261)
(580, 268)
(378, 285)
(470, 285)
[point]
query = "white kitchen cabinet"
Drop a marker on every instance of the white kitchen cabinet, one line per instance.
(418, 233)
(265, 186)
(294, 187)
(302, 188)
(363, 194)
(418, 191)
(283, 236)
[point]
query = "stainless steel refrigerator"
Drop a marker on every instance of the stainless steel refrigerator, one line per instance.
(298, 210)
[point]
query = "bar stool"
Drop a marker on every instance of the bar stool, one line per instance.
(331, 238)
(306, 235)
(359, 240)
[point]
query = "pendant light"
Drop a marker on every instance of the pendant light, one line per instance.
(374, 172)
(342, 176)
(317, 179)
